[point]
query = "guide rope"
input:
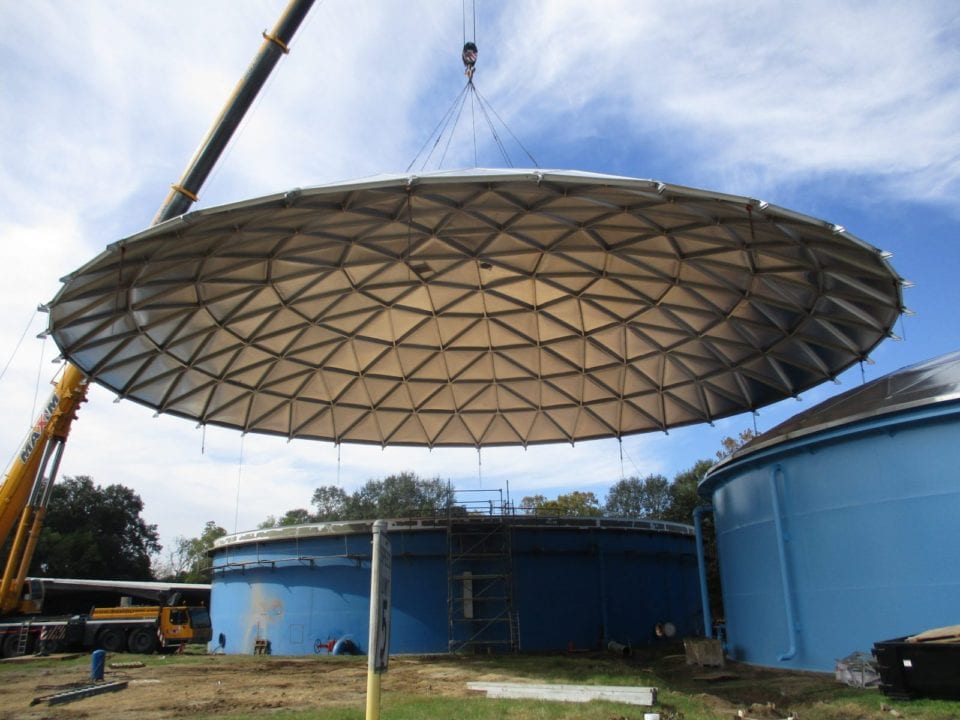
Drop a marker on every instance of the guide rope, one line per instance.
(19, 342)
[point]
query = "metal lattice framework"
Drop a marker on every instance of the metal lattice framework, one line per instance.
(477, 308)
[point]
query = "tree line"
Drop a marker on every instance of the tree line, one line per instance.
(98, 532)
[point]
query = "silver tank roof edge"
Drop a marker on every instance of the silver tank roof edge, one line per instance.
(924, 384)
(414, 524)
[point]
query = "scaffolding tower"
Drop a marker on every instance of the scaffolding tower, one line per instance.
(480, 608)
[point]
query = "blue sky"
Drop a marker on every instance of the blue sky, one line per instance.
(846, 111)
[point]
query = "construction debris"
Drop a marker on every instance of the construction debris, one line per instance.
(950, 634)
(858, 670)
(705, 652)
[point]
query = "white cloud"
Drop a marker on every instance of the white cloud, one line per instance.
(104, 103)
(801, 89)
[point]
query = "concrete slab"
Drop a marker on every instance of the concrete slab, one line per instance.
(568, 693)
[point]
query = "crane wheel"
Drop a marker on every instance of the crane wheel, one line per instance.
(8, 646)
(142, 641)
(111, 639)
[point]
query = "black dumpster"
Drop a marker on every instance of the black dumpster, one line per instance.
(918, 669)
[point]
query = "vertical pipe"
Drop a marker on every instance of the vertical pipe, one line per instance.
(603, 596)
(784, 570)
(379, 629)
(702, 568)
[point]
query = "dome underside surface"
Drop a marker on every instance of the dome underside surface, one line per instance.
(476, 309)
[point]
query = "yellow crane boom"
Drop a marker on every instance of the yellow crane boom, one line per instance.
(26, 488)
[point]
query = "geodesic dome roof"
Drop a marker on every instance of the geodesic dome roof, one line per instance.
(476, 308)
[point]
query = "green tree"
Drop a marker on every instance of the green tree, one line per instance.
(531, 504)
(683, 493)
(400, 495)
(297, 516)
(190, 559)
(331, 503)
(574, 504)
(636, 498)
(729, 445)
(95, 532)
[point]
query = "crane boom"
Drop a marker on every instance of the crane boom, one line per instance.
(26, 488)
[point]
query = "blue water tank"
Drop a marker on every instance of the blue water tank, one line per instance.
(517, 582)
(839, 528)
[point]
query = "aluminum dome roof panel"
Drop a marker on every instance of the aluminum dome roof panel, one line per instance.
(477, 308)
(922, 385)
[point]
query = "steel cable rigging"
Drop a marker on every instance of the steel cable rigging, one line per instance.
(442, 134)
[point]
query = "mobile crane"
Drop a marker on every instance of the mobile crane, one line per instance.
(28, 484)
(24, 496)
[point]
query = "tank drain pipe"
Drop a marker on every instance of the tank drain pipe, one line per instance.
(784, 574)
(698, 513)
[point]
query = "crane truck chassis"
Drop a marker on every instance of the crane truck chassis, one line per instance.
(136, 629)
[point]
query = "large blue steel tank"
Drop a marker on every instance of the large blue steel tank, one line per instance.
(474, 583)
(839, 528)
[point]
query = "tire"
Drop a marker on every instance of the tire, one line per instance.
(8, 646)
(111, 639)
(142, 641)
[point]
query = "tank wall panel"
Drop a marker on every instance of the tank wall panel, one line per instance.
(871, 532)
(603, 585)
(570, 586)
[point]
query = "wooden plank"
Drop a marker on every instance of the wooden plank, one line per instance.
(568, 693)
(941, 634)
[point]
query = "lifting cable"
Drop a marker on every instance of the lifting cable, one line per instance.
(620, 442)
(444, 131)
(19, 342)
(236, 511)
(625, 454)
(36, 389)
(469, 52)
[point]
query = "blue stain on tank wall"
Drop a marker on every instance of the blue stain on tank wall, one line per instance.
(863, 547)
(576, 582)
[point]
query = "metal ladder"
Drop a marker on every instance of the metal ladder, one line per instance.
(24, 638)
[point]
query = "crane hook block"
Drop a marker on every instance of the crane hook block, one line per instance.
(469, 56)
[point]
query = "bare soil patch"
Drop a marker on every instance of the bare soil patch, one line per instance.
(211, 686)
(215, 685)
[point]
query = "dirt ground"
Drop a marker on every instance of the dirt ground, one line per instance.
(217, 685)
(182, 687)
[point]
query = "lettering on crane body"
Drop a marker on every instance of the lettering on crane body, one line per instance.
(42, 421)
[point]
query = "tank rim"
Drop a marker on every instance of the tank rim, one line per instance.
(422, 524)
(905, 414)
